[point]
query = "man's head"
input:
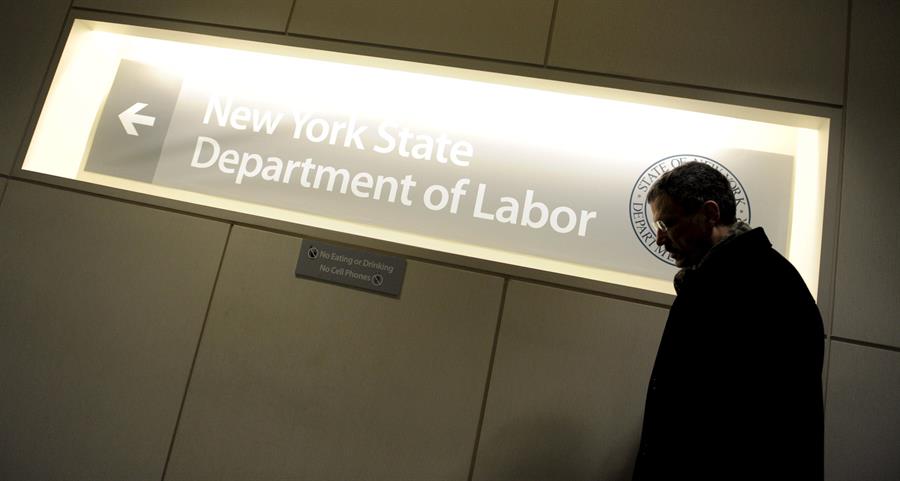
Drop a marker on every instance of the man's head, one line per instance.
(694, 206)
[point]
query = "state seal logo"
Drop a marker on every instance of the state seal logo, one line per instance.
(639, 211)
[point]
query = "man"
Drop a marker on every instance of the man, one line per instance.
(736, 390)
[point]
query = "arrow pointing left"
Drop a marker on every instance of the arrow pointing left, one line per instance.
(131, 116)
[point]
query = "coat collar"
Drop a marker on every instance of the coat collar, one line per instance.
(740, 234)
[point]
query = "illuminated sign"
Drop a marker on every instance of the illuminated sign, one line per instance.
(531, 172)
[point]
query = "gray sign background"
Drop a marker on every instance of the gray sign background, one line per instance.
(113, 151)
(583, 180)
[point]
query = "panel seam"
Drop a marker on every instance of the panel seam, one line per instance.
(287, 25)
(550, 33)
(487, 383)
(223, 26)
(3, 188)
(873, 345)
(42, 94)
(187, 385)
(837, 207)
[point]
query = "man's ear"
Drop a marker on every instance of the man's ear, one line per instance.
(711, 210)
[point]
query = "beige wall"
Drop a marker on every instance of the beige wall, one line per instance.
(28, 31)
(141, 340)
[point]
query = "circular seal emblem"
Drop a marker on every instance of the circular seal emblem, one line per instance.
(639, 211)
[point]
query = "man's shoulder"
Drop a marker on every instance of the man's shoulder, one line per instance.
(748, 262)
(752, 250)
(737, 254)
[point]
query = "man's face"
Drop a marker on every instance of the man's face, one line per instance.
(688, 236)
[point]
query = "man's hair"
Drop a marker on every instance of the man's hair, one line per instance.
(690, 185)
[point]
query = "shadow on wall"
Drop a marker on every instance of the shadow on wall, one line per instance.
(550, 448)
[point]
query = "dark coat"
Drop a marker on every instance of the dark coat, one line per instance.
(736, 390)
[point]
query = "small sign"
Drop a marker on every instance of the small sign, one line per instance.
(351, 267)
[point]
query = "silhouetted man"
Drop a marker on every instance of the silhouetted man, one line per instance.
(736, 389)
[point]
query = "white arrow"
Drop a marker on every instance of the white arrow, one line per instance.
(131, 116)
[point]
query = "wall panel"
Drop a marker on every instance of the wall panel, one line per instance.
(500, 29)
(298, 379)
(568, 385)
(28, 34)
(792, 49)
(866, 305)
(862, 422)
(101, 306)
(257, 14)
